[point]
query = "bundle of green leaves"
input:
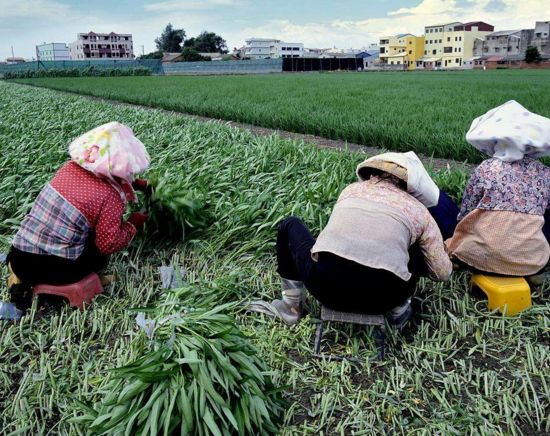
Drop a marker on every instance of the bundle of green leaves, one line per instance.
(198, 375)
(173, 207)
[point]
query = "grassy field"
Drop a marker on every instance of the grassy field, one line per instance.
(459, 370)
(426, 112)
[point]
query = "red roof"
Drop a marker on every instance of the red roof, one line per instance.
(481, 25)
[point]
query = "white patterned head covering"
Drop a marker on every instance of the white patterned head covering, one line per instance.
(510, 132)
(111, 151)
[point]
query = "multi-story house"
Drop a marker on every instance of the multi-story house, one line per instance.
(505, 43)
(403, 49)
(102, 46)
(449, 45)
(269, 48)
(54, 51)
(541, 38)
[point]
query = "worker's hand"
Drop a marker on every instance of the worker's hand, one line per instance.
(138, 219)
(140, 184)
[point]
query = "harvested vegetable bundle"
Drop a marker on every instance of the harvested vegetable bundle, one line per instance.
(202, 377)
(173, 207)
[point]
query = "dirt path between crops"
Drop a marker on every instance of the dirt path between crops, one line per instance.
(318, 141)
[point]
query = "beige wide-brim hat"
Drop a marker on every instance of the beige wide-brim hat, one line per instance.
(366, 169)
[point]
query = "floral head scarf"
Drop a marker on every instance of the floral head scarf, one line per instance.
(111, 151)
(510, 132)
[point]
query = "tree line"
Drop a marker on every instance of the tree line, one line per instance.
(174, 41)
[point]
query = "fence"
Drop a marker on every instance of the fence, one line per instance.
(259, 66)
(155, 65)
(324, 64)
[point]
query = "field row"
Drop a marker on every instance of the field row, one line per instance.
(462, 370)
(428, 113)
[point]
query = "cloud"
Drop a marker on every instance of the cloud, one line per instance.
(170, 6)
(26, 9)
(428, 8)
(357, 33)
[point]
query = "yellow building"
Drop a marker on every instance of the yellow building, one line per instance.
(403, 49)
(451, 45)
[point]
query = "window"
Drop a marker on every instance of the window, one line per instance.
(447, 49)
(391, 62)
(459, 49)
(425, 52)
(410, 52)
(457, 60)
(460, 38)
(440, 41)
(448, 39)
(434, 51)
(497, 49)
(295, 48)
(410, 42)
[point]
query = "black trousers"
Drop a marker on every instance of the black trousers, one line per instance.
(338, 283)
(54, 270)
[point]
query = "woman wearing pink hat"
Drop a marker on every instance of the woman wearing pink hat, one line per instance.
(77, 219)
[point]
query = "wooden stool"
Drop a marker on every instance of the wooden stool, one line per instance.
(510, 295)
(329, 315)
(77, 293)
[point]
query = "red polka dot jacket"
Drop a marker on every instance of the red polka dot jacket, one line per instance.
(75, 204)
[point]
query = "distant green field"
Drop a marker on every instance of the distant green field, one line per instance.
(427, 112)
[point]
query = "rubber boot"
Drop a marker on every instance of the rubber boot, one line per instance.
(400, 315)
(290, 306)
(536, 281)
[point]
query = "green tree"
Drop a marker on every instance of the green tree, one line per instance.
(152, 55)
(170, 40)
(207, 42)
(532, 55)
(189, 54)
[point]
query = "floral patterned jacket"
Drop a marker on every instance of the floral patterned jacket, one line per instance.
(521, 186)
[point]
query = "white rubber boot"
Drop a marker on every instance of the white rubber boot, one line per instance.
(290, 307)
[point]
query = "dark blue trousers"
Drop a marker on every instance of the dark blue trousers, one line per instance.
(446, 213)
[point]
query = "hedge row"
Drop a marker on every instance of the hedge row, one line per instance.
(78, 72)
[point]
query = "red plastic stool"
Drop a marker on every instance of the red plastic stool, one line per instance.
(77, 293)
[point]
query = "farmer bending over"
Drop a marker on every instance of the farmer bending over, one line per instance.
(501, 226)
(76, 220)
(378, 241)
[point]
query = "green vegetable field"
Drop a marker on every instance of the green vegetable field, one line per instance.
(209, 367)
(428, 113)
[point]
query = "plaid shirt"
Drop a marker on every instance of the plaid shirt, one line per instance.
(68, 209)
(54, 226)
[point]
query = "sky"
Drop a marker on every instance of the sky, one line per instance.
(316, 23)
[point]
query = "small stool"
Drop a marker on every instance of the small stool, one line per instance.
(330, 315)
(510, 295)
(77, 293)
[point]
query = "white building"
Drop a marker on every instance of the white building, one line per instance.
(268, 48)
(102, 46)
(54, 51)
